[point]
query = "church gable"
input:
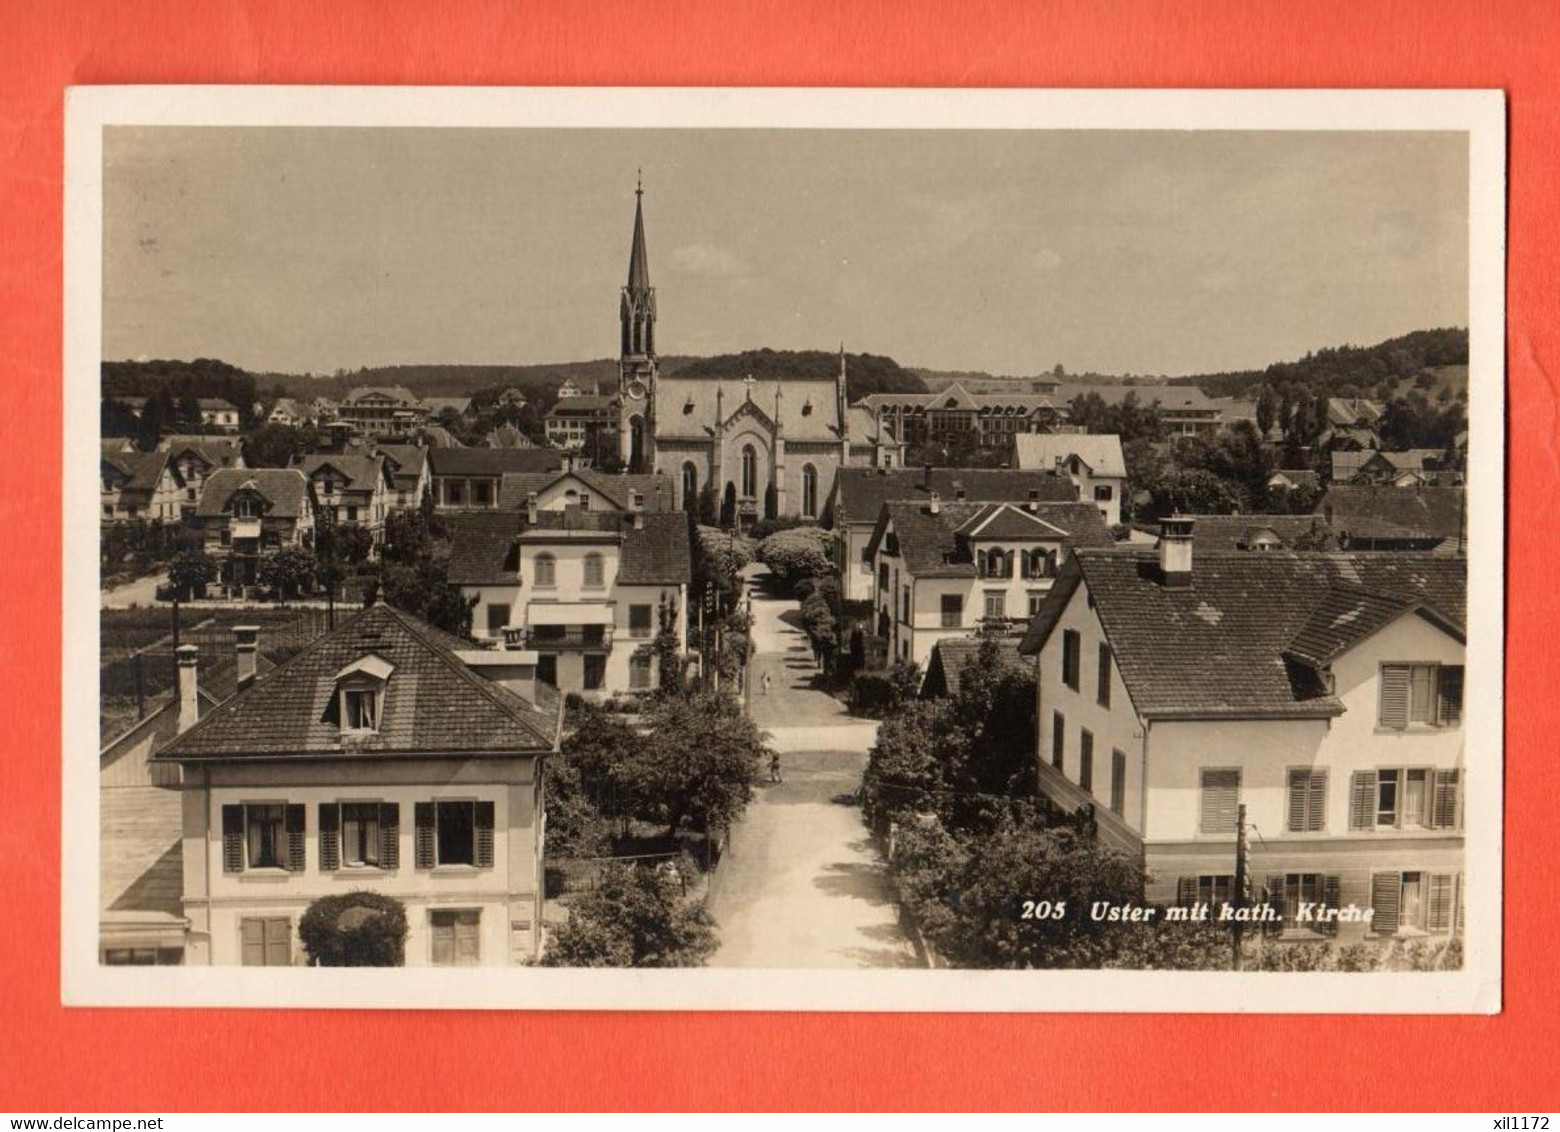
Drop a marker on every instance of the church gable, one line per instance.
(748, 412)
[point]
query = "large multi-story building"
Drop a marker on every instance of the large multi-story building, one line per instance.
(955, 417)
(1321, 692)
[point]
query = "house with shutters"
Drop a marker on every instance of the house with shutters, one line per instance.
(1093, 462)
(350, 489)
(385, 756)
(1322, 692)
(246, 513)
(945, 569)
(138, 485)
(467, 479)
(194, 459)
(407, 466)
(584, 585)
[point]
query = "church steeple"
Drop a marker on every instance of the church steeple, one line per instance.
(636, 365)
(638, 306)
(638, 261)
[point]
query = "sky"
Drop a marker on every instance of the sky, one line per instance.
(311, 249)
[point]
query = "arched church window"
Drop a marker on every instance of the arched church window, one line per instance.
(809, 491)
(690, 485)
(749, 472)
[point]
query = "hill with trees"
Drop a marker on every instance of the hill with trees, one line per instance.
(864, 373)
(1348, 371)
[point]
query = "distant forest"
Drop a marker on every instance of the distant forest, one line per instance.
(1346, 370)
(864, 373)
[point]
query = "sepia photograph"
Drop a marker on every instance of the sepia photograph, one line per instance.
(765, 549)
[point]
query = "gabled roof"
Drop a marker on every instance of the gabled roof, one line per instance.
(1222, 646)
(1300, 477)
(1008, 522)
(1169, 398)
(398, 393)
(1240, 532)
(492, 461)
(405, 462)
(217, 404)
(1347, 614)
(1100, 452)
(436, 405)
(434, 704)
(139, 471)
(654, 490)
(932, 546)
(694, 407)
(284, 488)
(483, 548)
(1353, 411)
(361, 472)
(1024, 404)
(945, 667)
(582, 404)
(861, 492)
(1384, 513)
(218, 451)
(657, 554)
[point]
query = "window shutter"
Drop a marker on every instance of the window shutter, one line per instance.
(330, 836)
(1220, 795)
(1449, 695)
(1331, 898)
(1384, 891)
(1299, 799)
(1186, 891)
(1444, 815)
(1362, 800)
(484, 835)
(1438, 917)
(390, 835)
(422, 814)
(1273, 895)
(1394, 696)
(278, 941)
(1104, 676)
(295, 825)
(252, 932)
(233, 839)
(1317, 819)
(1058, 741)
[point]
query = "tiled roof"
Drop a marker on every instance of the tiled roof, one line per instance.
(398, 393)
(1393, 513)
(1217, 646)
(654, 490)
(433, 705)
(219, 404)
(437, 405)
(482, 548)
(962, 398)
(362, 472)
(657, 554)
(407, 462)
(218, 451)
(582, 404)
(1102, 453)
(1300, 477)
(1346, 615)
(141, 471)
(945, 667)
(931, 546)
(686, 407)
(1237, 532)
(1011, 522)
(1352, 410)
(492, 461)
(1167, 397)
(861, 492)
(284, 488)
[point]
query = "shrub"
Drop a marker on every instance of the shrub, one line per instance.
(876, 694)
(355, 929)
(801, 552)
(1120, 532)
(636, 916)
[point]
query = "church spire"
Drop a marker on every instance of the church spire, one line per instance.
(638, 261)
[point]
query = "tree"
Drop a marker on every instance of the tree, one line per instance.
(190, 572)
(905, 768)
(354, 929)
(636, 916)
(286, 570)
(277, 445)
(1195, 492)
(1267, 410)
(698, 764)
(423, 590)
(802, 552)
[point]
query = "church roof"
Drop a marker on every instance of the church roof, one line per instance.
(638, 260)
(686, 407)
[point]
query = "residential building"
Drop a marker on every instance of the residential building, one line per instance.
(585, 488)
(466, 479)
(955, 416)
(856, 502)
(566, 390)
(382, 410)
(1415, 467)
(945, 669)
(438, 406)
(586, 424)
(508, 436)
(1396, 518)
(410, 479)
(247, 513)
(1354, 412)
(1321, 693)
(217, 413)
(1262, 532)
(194, 459)
(351, 489)
(1184, 410)
(1293, 479)
(516, 398)
(944, 569)
(288, 413)
(1093, 462)
(586, 589)
(386, 756)
(138, 486)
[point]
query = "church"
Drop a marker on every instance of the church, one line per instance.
(767, 448)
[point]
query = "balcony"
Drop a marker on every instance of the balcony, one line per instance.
(569, 638)
(244, 528)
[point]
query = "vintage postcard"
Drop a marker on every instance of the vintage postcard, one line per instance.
(787, 549)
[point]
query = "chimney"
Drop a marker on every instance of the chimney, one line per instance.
(958, 489)
(189, 686)
(934, 504)
(1175, 550)
(1034, 499)
(926, 477)
(530, 508)
(246, 643)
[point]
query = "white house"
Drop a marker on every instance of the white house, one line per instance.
(1093, 462)
(1322, 692)
(942, 569)
(379, 759)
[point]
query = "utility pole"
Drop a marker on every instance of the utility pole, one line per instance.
(1240, 885)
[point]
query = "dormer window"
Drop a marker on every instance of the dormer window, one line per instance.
(246, 508)
(807, 407)
(361, 689)
(360, 709)
(688, 405)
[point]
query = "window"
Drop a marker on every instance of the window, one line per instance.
(454, 833)
(809, 491)
(749, 472)
(454, 492)
(1070, 651)
(482, 493)
(1058, 741)
(360, 709)
(243, 509)
(904, 605)
(1118, 782)
(497, 617)
(266, 941)
(998, 563)
(352, 513)
(1086, 760)
(639, 621)
(882, 575)
(585, 502)
(262, 835)
(1220, 795)
(595, 672)
(996, 605)
(1405, 798)
(1103, 680)
(1212, 889)
(225, 537)
(639, 671)
(1300, 896)
(595, 570)
(359, 835)
(1407, 903)
(546, 571)
(952, 611)
(547, 669)
(143, 957)
(1420, 695)
(456, 938)
(1307, 800)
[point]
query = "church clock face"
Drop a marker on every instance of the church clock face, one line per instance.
(637, 390)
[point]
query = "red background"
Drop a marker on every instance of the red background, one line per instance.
(126, 1060)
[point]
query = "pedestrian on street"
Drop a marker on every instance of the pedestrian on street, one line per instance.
(774, 766)
(767, 681)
